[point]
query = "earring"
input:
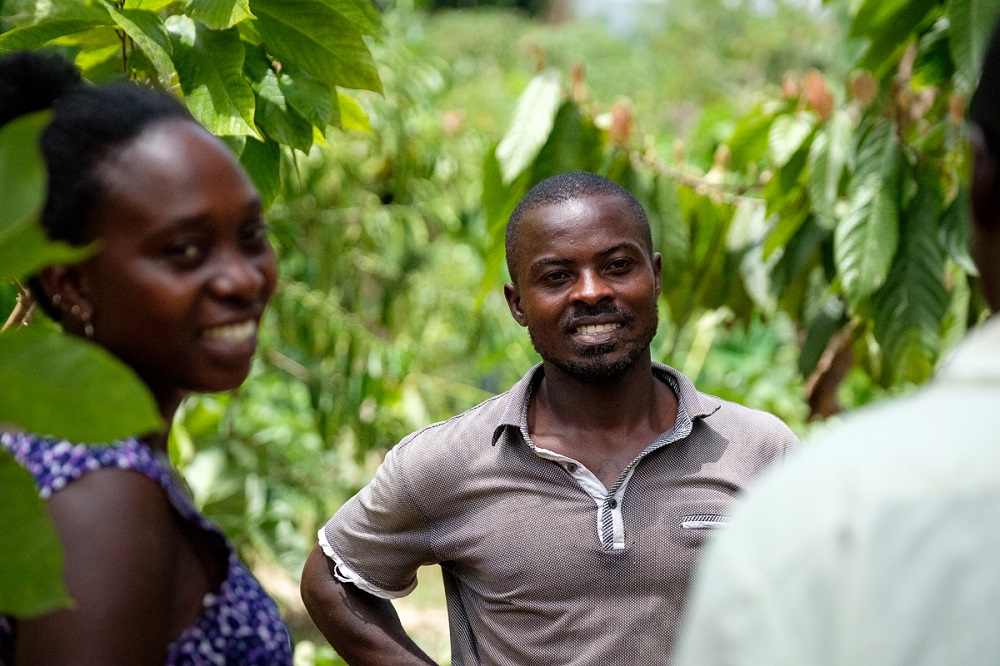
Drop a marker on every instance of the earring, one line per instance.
(75, 310)
(56, 300)
(88, 329)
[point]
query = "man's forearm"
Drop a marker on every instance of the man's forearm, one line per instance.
(362, 628)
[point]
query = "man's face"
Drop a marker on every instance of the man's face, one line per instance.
(587, 285)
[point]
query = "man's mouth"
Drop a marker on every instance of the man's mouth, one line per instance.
(241, 332)
(593, 329)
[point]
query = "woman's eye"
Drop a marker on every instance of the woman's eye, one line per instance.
(255, 235)
(184, 253)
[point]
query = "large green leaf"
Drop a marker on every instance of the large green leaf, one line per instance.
(533, 119)
(30, 572)
(972, 24)
(22, 172)
(219, 14)
(889, 25)
(273, 113)
(147, 31)
(573, 144)
(210, 67)
(314, 100)
(362, 12)
(910, 308)
(26, 249)
(787, 134)
(59, 385)
(827, 158)
(865, 241)
(262, 160)
(66, 22)
(318, 38)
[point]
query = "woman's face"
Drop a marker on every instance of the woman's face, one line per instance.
(185, 267)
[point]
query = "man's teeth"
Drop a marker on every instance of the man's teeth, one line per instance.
(233, 332)
(597, 328)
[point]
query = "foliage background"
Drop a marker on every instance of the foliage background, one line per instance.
(756, 135)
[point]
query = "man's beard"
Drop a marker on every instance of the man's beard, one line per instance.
(594, 366)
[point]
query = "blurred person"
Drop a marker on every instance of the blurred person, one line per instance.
(565, 513)
(176, 291)
(878, 545)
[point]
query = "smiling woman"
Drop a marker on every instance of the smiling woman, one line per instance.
(176, 290)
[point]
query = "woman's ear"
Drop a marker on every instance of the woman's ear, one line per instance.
(65, 288)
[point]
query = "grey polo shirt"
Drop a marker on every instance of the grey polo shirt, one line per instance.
(541, 563)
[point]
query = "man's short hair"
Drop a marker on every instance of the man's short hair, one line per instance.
(569, 187)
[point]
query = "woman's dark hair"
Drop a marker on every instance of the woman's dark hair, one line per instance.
(89, 123)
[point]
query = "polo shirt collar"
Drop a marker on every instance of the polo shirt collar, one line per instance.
(695, 403)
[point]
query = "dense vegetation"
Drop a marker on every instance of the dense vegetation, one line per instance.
(806, 175)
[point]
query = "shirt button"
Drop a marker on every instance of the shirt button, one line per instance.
(571, 468)
(613, 503)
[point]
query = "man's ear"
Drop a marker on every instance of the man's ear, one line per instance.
(658, 271)
(65, 287)
(513, 297)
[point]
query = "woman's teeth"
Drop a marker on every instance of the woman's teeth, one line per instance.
(233, 332)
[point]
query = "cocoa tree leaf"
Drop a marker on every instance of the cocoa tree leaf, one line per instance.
(30, 573)
(219, 14)
(210, 68)
(534, 117)
(58, 385)
(865, 241)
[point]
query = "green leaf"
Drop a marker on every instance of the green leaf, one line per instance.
(955, 225)
(787, 134)
(314, 100)
(30, 573)
(749, 224)
(910, 309)
(889, 25)
(319, 39)
(26, 249)
(827, 158)
(77, 19)
(573, 144)
(865, 241)
(671, 233)
(748, 143)
(272, 113)
(361, 12)
(972, 24)
(59, 385)
(219, 14)
(210, 68)
(22, 171)
(533, 119)
(148, 32)
(352, 116)
(262, 160)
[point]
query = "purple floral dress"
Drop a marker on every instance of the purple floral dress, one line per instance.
(239, 624)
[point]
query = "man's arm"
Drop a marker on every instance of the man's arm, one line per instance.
(362, 628)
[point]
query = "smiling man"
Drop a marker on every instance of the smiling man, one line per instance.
(566, 513)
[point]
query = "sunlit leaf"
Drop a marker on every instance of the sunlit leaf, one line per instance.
(22, 171)
(30, 571)
(66, 22)
(272, 112)
(262, 160)
(311, 98)
(319, 39)
(210, 68)
(787, 134)
(147, 30)
(219, 14)
(361, 12)
(26, 249)
(352, 116)
(573, 144)
(533, 119)
(58, 385)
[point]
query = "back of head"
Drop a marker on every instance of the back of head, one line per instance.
(984, 110)
(89, 124)
(568, 187)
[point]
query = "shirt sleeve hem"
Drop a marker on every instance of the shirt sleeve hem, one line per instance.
(346, 574)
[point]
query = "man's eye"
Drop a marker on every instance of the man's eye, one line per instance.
(620, 265)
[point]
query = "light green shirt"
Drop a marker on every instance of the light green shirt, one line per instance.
(878, 544)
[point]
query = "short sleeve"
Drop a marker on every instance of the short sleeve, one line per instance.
(379, 538)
